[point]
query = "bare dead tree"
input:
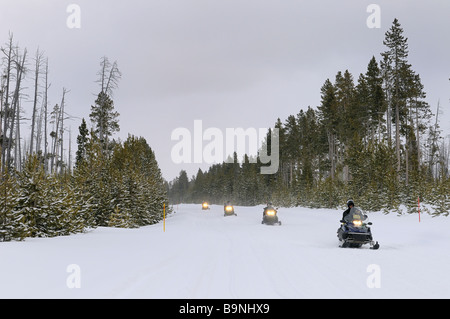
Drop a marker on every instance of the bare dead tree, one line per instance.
(54, 135)
(62, 114)
(45, 106)
(38, 61)
(17, 144)
(20, 69)
(109, 76)
(69, 160)
(9, 56)
(58, 135)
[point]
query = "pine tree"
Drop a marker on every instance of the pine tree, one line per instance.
(105, 118)
(441, 197)
(139, 187)
(395, 64)
(82, 140)
(11, 221)
(196, 190)
(348, 114)
(93, 181)
(329, 118)
(350, 117)
(375, 99)
(121, 219)
(31, 201)
(64, 213)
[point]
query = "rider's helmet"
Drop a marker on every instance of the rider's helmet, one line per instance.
(350, 202)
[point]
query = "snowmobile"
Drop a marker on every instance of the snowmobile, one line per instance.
(270, 216)
(354, 232)
(205, 206)
(228, 210)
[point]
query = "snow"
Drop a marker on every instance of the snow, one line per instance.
(203, 254)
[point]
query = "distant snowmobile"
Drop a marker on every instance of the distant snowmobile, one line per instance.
(354, 232)
(205, 206)
(270, 216)
(228, 210)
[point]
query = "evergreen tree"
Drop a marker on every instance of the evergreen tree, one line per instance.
(441, 197)
(329, 118)
(375, 98)
(395, 64)
(121, 219)
(197, 189)
(105, 118)
(31, 202)
(183, 184)
(142, 192)
(11, 222)
(93, 180)
(82, 140)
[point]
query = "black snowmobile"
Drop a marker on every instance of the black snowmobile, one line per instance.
(270, 216)
(228, 210)
(354, 232)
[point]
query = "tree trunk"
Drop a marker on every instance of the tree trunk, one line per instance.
(15, 103)
(36, 81)
(45, 105)
(6, 106)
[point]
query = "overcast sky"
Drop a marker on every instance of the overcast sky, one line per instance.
(229, 63)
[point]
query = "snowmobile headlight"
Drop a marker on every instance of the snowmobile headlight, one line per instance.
(270, 212)
(205, 205)
(229, 208)
(357, 223)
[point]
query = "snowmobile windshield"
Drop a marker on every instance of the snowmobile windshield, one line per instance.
(355, 214)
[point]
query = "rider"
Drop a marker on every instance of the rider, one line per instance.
(350, 205)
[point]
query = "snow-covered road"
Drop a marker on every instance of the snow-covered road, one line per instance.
(203, 254)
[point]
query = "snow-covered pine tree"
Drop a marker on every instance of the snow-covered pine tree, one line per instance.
(82, 203)
(140, 189)
(64, 212)
(82, 140)
(153, 186)
(11, 221)
(93, 180)
(105, 118)
(121, 219)
(74, 210)
(441, 197)
(31, 200)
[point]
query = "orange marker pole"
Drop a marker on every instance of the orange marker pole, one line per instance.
(164, 222)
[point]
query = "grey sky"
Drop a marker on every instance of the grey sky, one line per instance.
(230, 63)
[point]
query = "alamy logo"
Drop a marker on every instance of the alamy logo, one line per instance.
(74, 278)
(374, 279)
(374, 19)
(74, 19)
(190, 147)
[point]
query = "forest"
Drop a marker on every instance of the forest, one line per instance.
(373, 138)
(43, 192)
